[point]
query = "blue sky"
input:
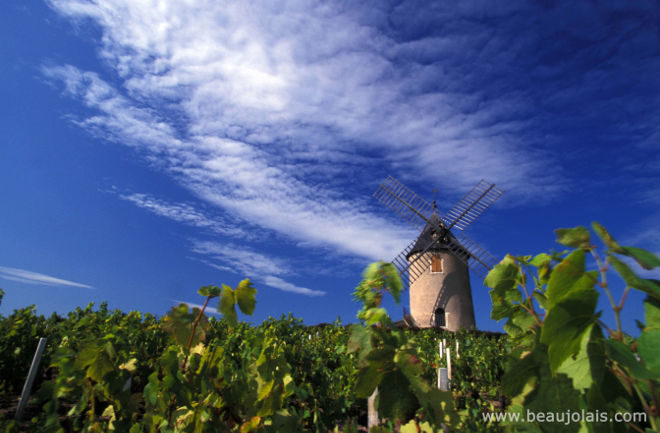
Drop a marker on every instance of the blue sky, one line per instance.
(151, 147)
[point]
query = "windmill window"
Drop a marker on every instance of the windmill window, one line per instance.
(440, 317)
(436, 264)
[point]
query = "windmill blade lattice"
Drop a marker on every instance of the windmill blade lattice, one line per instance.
(472, 205)
(403, 202)
(472, 254)
(415, 268)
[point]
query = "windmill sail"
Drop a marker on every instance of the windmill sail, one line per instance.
(472, 254)
(472, 205)
(403, 202)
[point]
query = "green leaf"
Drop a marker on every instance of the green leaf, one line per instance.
(646, 259)
(523, 320)
(607, 239)
(372, 272)
(395, 399)
(648, 347)
(179, 321)
(100, 367)
(652, 313)
(226, 305)
(520, 371)
(648, 286)
(557, 393)
(246, 297)
(210, 290)
(368, 379)
(540, 260)
(541, 299)
(564, 276)
(577, 237)
(381, 356)
(393, 280)
(376, 315)
(621, 354)
(502, 278)
(588, 367)
(566, 323)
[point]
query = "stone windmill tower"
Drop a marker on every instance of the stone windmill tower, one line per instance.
(435, 266)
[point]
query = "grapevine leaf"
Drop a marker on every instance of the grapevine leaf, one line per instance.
(648, 347)
(522, 319)
(566, 323)
(226, 305)
(376, 315)
(372, 272)
(519, 372)
(554, 392)
(564, 276)
(368, 379)
(246, 297)
(540, 260)
(577, 237)
(502, 278)
(652, 313)
(251, 426)
(541, 299)
(380, 357)
(130, 365)
(646, 259)
(395, 399)
(622, 355)
(210, 290)
(99, 367)
(393, 280)
(264, 389)
(588, 367)
(652, 287)
(607, 239)
(179, 321)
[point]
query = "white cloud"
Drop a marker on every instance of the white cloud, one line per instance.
(259, 267)
(184, 213)
(260, 108)
(29, 277)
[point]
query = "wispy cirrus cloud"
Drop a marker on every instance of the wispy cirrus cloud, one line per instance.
(255, 265)
(185, 213)
(30, 277)
(273, 112)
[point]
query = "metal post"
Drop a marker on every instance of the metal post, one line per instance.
(443, 379)
(448, 364)
(30, 379)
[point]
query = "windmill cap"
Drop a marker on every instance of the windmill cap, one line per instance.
(426, 238)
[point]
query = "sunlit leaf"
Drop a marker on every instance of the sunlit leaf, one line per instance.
(576, 237)
(648, 347)
(564, 276)
(648, 286)
(646, 259)
(246, 297)
(566, 322)
(607, 239)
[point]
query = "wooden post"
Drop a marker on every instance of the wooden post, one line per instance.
(372, 413)
(30, 379)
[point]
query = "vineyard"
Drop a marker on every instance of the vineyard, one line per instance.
(130, 372)
(95, 352)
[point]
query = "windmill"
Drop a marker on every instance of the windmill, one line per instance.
(435, 266)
